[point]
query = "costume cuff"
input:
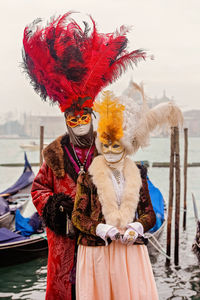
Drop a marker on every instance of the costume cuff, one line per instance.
(102, 230)
(137, 226)
(55, 212)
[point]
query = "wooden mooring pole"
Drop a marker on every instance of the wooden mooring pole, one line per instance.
(178, 189)
(185, 176)
(41, 143)
(171, 193)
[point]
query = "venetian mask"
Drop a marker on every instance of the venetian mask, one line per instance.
(113, 152)
(80, 125)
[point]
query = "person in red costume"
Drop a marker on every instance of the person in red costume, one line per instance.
(69, 65)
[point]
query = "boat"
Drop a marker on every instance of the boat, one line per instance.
(16, 248)
(19, 241)
(196, 244)
(16, 196)
(32, 146)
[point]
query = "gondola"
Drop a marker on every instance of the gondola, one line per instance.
(15, 207)
(16, 196)
(23, 250)
(17, 247)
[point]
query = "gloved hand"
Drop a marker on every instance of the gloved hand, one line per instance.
(129, 237)
(134, 230)
(106, 231)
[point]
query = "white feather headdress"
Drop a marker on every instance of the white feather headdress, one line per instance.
(140, 121)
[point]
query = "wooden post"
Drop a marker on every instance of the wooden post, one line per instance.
(171, 193)
(185, 176)
(177, 207)
(41, 143)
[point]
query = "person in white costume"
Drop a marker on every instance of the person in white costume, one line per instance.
(113, 210)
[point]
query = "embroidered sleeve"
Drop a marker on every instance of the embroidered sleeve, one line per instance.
(146, 214)
(86, 214)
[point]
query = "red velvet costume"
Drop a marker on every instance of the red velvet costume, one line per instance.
(61, 249)
(55, 177)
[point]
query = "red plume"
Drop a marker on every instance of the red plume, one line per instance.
(66, 63)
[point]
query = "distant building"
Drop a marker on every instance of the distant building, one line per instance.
(54, 126)
(155, 101)
(131, 92)
(12, 129)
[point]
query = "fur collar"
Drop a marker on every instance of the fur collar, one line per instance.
(53, 155)
(115, 216)
(57, 159)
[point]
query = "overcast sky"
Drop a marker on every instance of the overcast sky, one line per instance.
(169, 29)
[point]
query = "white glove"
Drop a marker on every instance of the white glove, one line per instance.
(137, 226)
(129, 237)
(134, 230)
(106, 231)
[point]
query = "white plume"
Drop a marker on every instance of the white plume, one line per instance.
(140, 121)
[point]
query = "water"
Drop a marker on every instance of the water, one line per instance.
(28, 281)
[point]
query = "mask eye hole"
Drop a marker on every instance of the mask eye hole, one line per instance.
(84, 117)
(105, 145)
(115, 146)
(73, 120)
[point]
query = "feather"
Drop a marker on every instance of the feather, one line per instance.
(140, 121)
(161, 116)
(65, 62)
(111, 118)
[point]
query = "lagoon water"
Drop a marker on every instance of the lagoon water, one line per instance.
(28, 281)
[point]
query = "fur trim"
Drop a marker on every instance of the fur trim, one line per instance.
(53, 155)
(115, 216)
(57, 159)
(53, 217)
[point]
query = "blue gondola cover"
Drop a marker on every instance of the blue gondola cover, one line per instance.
(22, 224)
(158, 205)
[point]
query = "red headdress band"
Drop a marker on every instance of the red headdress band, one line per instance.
(67, 64)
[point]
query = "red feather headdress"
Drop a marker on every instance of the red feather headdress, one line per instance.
(70, 66)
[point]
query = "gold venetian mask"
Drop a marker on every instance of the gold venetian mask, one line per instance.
(115, 147)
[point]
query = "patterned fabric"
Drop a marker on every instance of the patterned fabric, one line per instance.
(145, 212)
(48, 183)
(61, 249)
(87, 213)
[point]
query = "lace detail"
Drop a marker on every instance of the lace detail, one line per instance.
(118, 182)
